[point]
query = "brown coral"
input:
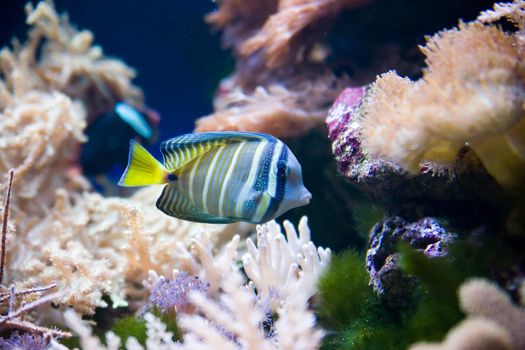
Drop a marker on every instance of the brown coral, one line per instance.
(472, 93)
(280, 36)
(276, 109)
(240, 19)
(472, 334)
(95, 246)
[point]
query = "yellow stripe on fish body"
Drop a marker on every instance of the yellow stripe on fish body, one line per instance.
(224, 177)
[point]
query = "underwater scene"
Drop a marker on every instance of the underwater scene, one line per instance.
(262, 174)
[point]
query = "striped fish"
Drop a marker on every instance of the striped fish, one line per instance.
(221, 177)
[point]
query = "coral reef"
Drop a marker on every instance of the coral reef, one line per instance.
(481, 298)
(280, 38)
(71, 64)
(283, 110)
(95, 246)
(477, 334)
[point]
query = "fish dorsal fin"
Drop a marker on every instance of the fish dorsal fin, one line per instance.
(174, 203)
(181, 150)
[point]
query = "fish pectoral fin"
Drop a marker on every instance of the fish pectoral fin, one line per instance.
(177, 204)
(181, 150)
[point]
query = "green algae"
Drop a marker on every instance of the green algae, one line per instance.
(130, 326)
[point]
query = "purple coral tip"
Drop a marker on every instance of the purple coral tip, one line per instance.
(169, 294)
(24, 341)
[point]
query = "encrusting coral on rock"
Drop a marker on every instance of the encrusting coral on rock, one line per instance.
(386, 278)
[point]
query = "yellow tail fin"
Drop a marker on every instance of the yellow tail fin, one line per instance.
(142, 168)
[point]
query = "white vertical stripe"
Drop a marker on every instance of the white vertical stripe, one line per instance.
(250, 180)
(228, 177)
(209, 175)
(272, 176)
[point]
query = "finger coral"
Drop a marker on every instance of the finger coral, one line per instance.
(480, 298)
(471, 94)
(279, 268)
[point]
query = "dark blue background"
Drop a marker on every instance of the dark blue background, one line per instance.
(176, 54)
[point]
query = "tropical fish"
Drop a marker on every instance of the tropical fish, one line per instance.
(221, 177)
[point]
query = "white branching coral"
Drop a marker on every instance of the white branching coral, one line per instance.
(280, 268)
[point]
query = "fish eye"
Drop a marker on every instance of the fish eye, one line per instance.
(172, 177)
(282, 169)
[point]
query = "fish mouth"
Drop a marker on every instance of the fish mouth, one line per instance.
(306, 197)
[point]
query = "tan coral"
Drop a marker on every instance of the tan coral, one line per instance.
(472, 334)
(481, 298)
(472, 93)
(40, 131)
(513, 11)
(293, 96)
(493, 321)
(233, 315)
(89, 245)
